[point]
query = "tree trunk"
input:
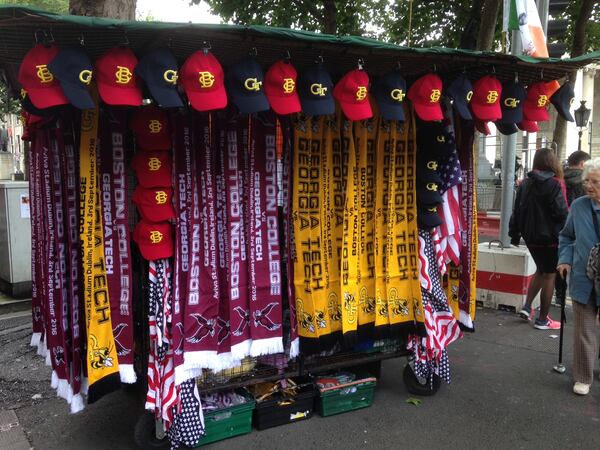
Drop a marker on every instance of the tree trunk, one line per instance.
(487, 26)
(330, 12)
(468, 38)
(114, 9)
(577, 48)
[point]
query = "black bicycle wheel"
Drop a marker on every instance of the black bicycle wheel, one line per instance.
(144, 434)
(414, 385)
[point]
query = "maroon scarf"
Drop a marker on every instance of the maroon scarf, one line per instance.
(265, 261)
(117, 248)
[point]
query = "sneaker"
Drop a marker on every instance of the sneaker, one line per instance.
(527, 313)
(581, 388)
(547, 324)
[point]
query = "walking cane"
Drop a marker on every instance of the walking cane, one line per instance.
(560, 368)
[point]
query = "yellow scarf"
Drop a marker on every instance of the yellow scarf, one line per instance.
(102, 363)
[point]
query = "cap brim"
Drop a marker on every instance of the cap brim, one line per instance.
(506, 128)
(250, 105)
(152, 252)
(155, 214)
(131, 96)
(357, 111)
(529, 126)
(487, 113)
(429, 112)
(391, 112)
(31, 109)
(78, 96)
(429, 197)
(320, 107)
(565, 112)
(207, 101)
(463, 109)
(429, 220)
(165, 96)
(512, 116)
(482, 127)
(285, 105)
(47, 97)
(428, 176)
(536, 114)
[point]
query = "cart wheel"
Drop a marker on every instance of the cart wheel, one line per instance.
(144, 434)
(416, 387)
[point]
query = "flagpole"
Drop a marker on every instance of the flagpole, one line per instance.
(509, 151)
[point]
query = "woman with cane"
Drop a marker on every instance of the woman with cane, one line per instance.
(580, 234)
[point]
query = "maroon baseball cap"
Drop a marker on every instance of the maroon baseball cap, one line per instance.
(280, 87)
(43, 88)
(154, 204)
(155, 240)
(536, 103)
(115, 74)
(153, 168)
(485, 103)
(425, 95)
(528, 125)
(203, 80)
(151, 128)
(352, 91)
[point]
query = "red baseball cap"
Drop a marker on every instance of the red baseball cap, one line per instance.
(482, 127)
(154, 204)
(485, 102)
(352, 93)
(280, 87)
(425, 95)
(43, 88)
(202, 79)
(153, 168)
(155, 240)
(117, 82)
(528, 125)
(151, 128)
(536, 103)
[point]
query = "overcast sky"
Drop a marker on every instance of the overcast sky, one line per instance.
(175, 11)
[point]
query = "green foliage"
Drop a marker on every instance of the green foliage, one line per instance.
(57, 6)
(592, 31)
(8, 105)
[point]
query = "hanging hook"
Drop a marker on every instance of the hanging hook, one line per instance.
(319, 59)
(253, 51)
(399, 66)
(287, 57)
(542, 74)
(36, 35)
(516, 77)
(125, 41)
(206, 47)
(360, 63)
(434, 68)
(464, 71)
(493, 70)
(81, 40)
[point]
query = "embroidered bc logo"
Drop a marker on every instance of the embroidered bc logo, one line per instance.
(361, 93)
(542, 100)
(288, 85)
(123, 75)
(44, 74)
(435, 96)
(156, 237)
(154, 164)
(155, 126)
(492, 97)
(161, 197)
(206, 79)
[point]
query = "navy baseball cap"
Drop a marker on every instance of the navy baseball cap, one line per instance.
(425, 175)
(433, 138)
(428, 193)
(315, 88)
(461, 91)
(506, 128)
(244, 82)
(389, 92)
(563, 99)
(427, 217)
(73, 69)
(158, 69)
(511, 102)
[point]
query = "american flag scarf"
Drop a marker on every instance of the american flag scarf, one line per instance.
(188, 421)
(162, 393)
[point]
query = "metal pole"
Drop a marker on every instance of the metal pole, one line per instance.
(509, 150)
(542, 7)
(579, 142)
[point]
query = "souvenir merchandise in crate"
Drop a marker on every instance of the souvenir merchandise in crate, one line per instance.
(282, 402)
(344, 391)
(225, 422)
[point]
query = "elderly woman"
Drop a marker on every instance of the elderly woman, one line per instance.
(580, 234)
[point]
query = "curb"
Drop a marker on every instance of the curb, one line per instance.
(10, 306)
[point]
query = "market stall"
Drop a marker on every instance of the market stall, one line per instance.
(221, 207)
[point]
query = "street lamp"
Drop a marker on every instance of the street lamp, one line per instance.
(582, 115)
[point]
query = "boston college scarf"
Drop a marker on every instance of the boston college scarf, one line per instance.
(263, 239)
(117, 248)
(202, 307)
(102, 363)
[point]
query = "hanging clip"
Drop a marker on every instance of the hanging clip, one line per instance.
(81, 40)
(253, 52)
(435, 68)
(516, 77)
(360, 64)
(464, 71)
(206, 47)
(319, 59)
(542, 74)
(399, 66)
(493, 70)
(125, 41)
(287, 57)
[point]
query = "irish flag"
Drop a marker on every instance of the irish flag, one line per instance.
(523, 15)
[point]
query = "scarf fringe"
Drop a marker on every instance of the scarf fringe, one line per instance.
(127, 373)
(267, 346)
(294, 348)
(202, 359)
(41, 348)
(182, 374)
(35, 339)
(77, 404)
(48, 358)
(228, 361)
(241, 350)
(54, 380)
(465, 319)
(84, 386)
(62, 390)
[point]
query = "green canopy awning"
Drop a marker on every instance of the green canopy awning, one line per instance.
(19, 27)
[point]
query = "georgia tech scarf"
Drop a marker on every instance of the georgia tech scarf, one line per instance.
(304, 216)
(365, 135)
(102, 363)
(263, 239)
(350, 266)
(235, 167)
(117, 247)
(386, 141)
(200, 346)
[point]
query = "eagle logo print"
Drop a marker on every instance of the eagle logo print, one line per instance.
(224, 330)
(204, 327)
(59, 355)
(179, 347)
(245, 315)
(262, 319)
(121, 349)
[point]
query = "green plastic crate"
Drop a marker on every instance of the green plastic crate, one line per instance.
(228, 422)
(348, 397)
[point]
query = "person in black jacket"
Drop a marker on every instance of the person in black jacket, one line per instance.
(539, 213)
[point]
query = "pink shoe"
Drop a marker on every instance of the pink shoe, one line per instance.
(547, 324)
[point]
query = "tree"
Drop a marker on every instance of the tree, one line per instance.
(8, 105)
(57, 6)
(115, 9)
(584, 35)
